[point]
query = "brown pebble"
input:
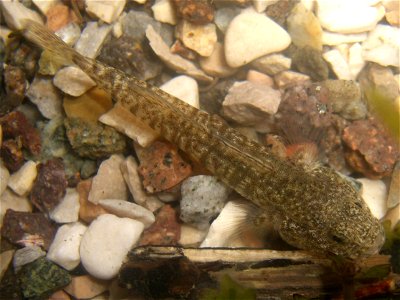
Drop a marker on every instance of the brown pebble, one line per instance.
(59, 295)
(50, 185)
(165, 230)
(28, 229)
(12, 155)
(198, 12)
(370, 150)
(179, 48)
(58, 16)
(16, 125)
(162, 167)
(86, 287)
(88, 211)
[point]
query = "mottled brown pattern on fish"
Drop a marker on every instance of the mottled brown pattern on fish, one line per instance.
(312, 208)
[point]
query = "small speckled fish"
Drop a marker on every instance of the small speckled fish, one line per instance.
(312, 208)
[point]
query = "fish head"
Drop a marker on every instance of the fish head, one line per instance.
(337, 221)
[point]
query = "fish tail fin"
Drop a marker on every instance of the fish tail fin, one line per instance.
(48, 41)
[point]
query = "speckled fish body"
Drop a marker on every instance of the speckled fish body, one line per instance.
(316, 209)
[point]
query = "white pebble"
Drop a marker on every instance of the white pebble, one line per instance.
(129, 170)
(106, 243)
(251, 35)
(248, 103)
(107, 11)
(69, 33)
(15, 13)
(126, 209)
(272, 64)
(26, 255)
(200, 38)
(92, 39)
(10, 200)
(334, 38)
(374, 193)
(47, 98)
(4, 177)
(290, 78)
(345, 16)
(338, 63)
(67, 211)
(64, 250)
(164, 12)
(356, 61)
(109, 182)
(73, 81)
(222, 231)
(125, 122)
(21, 182)
(184, 88)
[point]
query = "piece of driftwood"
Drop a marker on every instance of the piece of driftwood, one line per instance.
(159, 272)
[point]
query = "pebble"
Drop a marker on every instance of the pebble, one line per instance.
(252, 35)
(200, 38)
(261, 5)
(310, 61)
(224, 15)
(92, 39)
(107, 11)
(15, 12)
(129, 169)
(164, 12)
(174, 61)
(109, 182)
(135, 24)
(184, 88)
(64, 250)
(25, 256)
(10, 200)
(4, 177)
(383, 45)
(165, 230)
(203, 197)
(272, 64)
(394, 190)
(194, 11)
(87, 211)
(106, 243)
(338, 64)
(374, 193)
(334, 38)
(90, 106)
(70, 33)
(59, 16)
(215, 64)
(59, 295)
(21, 182)
(5, 259)
(392, 12)
(339, 16)
(222, 230)
(248, 103)
(73, 81)
(304, 28)
(67, 211)
(44, 6)
(86, 287)
(260, 78)
(126, 209)
(191, 236)
(47, 98)
(290, 78)
(125, 122)
(356, 61)
(345, 98)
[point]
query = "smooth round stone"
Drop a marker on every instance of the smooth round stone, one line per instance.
(345, 16)
(251, 35)
(126, 209)
(106, 243)
(184, 88)
(64, 250)
(374, 193)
